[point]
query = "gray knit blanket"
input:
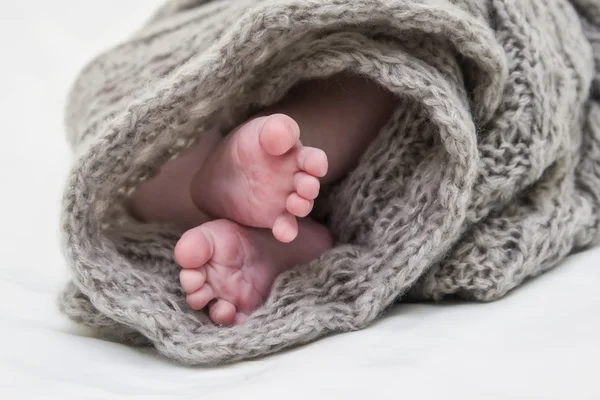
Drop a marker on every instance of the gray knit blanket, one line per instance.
(487, 174)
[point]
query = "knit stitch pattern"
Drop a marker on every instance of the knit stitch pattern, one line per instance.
(487, 174)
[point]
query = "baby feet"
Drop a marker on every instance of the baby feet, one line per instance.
(261, 176)
(220, 265)
(229, 269)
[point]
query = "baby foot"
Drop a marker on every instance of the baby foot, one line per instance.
(261, 176)
(230, 268)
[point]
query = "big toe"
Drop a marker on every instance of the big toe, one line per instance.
(278, 134)
(194, 248)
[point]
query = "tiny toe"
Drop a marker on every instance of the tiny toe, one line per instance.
(298, 206)
(194, 248)
(279, 133)
(200, 298)
(222, 312)
(313, 161)
(192, 279)
(285, 228)
(240, 318)
(307, 186)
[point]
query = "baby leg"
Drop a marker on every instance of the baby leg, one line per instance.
(166, 197)
(267, 172)
(229, 268)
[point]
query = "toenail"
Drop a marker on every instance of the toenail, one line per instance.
(293, 128)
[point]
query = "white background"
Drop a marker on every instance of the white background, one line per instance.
(541, 342)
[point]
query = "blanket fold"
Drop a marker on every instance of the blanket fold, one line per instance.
(487, 174)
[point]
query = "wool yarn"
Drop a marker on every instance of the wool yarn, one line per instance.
(487, 174)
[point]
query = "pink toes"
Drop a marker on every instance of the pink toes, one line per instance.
(313, 161)
(223, 312)
(195, 248)
(192, 279)
(298, 206)
(307, 186)
(213, 274)
(283, 175)
(278, 134)
(193, 251)
(200, 294)
(200, 298)
(240, 318)
(285, 228)
(307, 189)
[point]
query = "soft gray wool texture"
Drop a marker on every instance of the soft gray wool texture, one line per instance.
(487, 174)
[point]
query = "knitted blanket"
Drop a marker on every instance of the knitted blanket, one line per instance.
(487, 174)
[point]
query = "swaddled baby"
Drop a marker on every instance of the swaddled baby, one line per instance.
(245, 198)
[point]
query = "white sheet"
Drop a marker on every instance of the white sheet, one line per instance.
(541, 342)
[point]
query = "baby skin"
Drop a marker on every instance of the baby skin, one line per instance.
(245, 199)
